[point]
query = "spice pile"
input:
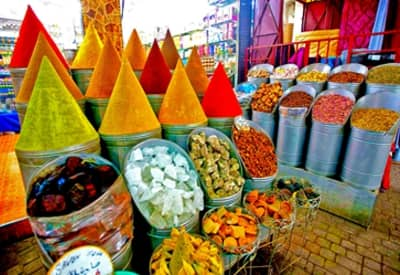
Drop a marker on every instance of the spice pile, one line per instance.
(266, 97)
(332, 108)
(271, 209)
(259, 73)
(218, 169)
(163, 185)
(385, 74)
(234, 230)
(256, 151)
(313, 76)
(346, 77)
(184, 253)
(296, 99)
(69, 187)
(380, 120)
(282, 73)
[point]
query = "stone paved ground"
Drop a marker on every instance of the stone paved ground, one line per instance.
(329, 245)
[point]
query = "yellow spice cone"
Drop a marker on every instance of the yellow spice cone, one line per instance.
(169, 51)
(128, 111)
(42, 49)
(53, 119)
(89, 50)
(180, 104)
(135, 51)
(105, 72)
(196, 73)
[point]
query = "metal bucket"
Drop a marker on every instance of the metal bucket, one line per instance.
(325, 142)
(258, 80)
(266, 121)
(17, 75)
(367, 151)
(376, 87)
(138, 73)
(82, 78)
(231, 200)
(21, 109)
(285, 82)
(179, 133)
(292, 129)
(155, 101)
(117, 146)
(96, 108)
(158, 235)
(30, 162)
(223, 124)
(355, 88)
(317, 85)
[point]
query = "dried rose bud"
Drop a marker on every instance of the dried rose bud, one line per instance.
(72, 164)
(53, 204)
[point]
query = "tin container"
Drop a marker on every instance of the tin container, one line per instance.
(95, 110)
(317, 85)
(376, 87)
(258, 80)
(82, 78)
(355, 88)
(285, 82)
(179, 133)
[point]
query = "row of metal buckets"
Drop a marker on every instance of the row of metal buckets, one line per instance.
(321, 147)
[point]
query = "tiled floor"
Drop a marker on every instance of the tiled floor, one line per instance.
(329, 245)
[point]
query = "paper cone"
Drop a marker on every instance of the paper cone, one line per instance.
(196, 73)
(129, 97)
(89, 50)
(181, 104)
(53, 118)
(219, 99)
(105, 72)
(169, 51)
(27, 36)
(135, 51)
(156, 75)
(41, 50)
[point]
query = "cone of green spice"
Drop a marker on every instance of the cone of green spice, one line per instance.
(53, 118)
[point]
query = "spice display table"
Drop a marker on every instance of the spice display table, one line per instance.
(339, 198)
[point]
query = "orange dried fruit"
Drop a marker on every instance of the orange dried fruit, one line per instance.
(232, 218)
(252, 196)
(230, 242)
(251, 229)
(270, 199)
(217, 239)
(286, 206)
(243, 221)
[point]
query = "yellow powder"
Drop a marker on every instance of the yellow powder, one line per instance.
(53, 118)
(105, 72)
(169, 51)
(135, 51)
(43, 48)
(89, 50)
(180, 104)
(196, 73)
(128, 111)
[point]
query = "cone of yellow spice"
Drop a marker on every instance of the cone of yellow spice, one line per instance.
(196, 73)
(180, 110)
(136, 53)
(54, 124)
(42, 49)
(169, 51)
(86, 58)
(102, 82)
(129, 118)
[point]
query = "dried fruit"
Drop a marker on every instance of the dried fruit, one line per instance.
(266, 97)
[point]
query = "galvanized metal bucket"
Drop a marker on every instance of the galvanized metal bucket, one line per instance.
(285, 82)
(325, 142)
(117, 146)
(82, 78)
(355, 88)
(96, 108)
(179, 133)
(30, 162)
(317, 85)
(252, 183)
(155, 101)
(376, 87)
(223, 124)
(266, 121)
(17, 76)
(292, 129)
(231, 200)
(258, 80)
(367, 151)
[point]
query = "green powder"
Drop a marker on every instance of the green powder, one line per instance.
(53, 119)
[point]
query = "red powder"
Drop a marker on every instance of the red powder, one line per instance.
(28, 33)
(219, 99)
(155, 75)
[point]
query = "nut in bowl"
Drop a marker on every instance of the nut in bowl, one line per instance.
(274, 210)
(234, 229)
(185, 253)
(302, 190)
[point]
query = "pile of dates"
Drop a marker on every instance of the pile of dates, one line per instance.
(303, 189)
(69, 187)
